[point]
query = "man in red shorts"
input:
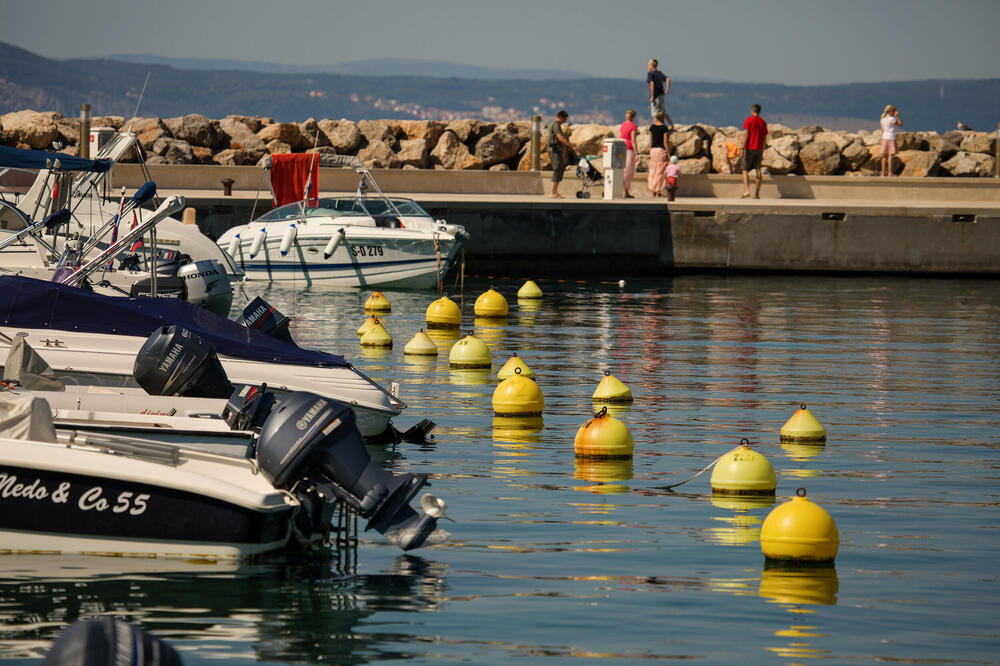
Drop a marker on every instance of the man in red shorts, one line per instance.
(753, 149)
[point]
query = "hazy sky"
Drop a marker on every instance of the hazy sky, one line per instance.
(777, 41)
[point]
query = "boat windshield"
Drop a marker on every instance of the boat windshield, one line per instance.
(345, 206)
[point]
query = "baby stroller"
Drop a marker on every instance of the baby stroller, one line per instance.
(588, 175)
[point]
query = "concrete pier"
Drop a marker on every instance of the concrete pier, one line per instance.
(945, 226)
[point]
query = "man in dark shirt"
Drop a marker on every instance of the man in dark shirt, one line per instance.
(560, 151)
(659, 86)
(753, 149)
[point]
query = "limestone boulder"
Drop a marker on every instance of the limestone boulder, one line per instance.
(777, 130)
(978, 142)
(312, 136)
(500, 167)
(378, 155)
(114, 122)
(286, 133)
(253, 123)
(855, 155)
(202, 155)
(588, 139)
(776, 163)
(471, 131)
(910, 141)
(524, 163)
(197, 130)
(31, 129)
(342, 135)
(69, 131)
(174, 151)
(787, 146)
(839, 138)
(872, 138)
(719, 153)
(944, 148)
(385, 131)
(275, 147)
(966, 164)
(413, 152)
(230, 157)
(427, 130)
(149, 130)
(643, 141)
(642, 163)
(695, 166)
(918, 162)
(954, 136)
(452, 153)
(500, 145)
(240, 135)
(819, 158)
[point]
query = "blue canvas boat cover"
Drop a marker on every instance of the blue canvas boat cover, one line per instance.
(30, 303)
(14, 158)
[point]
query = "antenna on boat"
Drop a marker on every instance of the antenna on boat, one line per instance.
(141, 93)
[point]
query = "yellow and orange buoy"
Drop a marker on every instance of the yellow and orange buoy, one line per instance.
(515, 363)
(743, 471)
(376, 336)
(612, 390)
(518, 395)
(801, 532)
(604, 438)
(491, 303)
(803, 427)
(367, 325)
(529, 291)
(470, 352)
(420, 345)
(443, 313)
(377, 302)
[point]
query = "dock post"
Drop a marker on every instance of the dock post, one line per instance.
(84, 150)
(536, 142)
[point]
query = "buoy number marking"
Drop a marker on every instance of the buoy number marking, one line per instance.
(367, 250)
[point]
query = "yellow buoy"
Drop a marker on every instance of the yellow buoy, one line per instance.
(518, 395)
(743, 471)
(799, 531)
(376, 336)
(377, 302)
(421, 345)
(367, 324)
(443, 313)
(612, 390)
(603, 437)
(470, 352)
(490, 303)
(529, 290)
(512, 364)
(803, 427)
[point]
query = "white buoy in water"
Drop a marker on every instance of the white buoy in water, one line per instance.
(334, 241)
(288, 239)
(233, 246)
(258, 242)
(621, 284)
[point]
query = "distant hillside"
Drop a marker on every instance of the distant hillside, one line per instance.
(112, 87)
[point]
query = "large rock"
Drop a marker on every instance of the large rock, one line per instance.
(275, 147)
(695, 166)
(777, 130)
(978, 142)
(312, 136)
(174, 151)
(231, 157)
(202, 155)
(688, 144)
(719, 152)
(910, 141)
(471, 131)
(385, 131)
(451, 153)
(839, 138)
(427, 130)
(589, 139)
(114, 122)
(240, 135)
(413, 152)
(787, 146)
(918, 162)
(776, 163)
(500, 145)
(197, 130)
(378, 155)
(286, 133)
(819, 158)
(69, 131)
(643, 141)
(855, 155)
(969, 164)
(29, 128)
(942, 146)
(342, 135)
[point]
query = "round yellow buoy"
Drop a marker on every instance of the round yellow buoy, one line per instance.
(470, 352)
(612, 390)
(603, 437)
(518, 395)
(803, 427)
(799, 531)
(376, 336)
(514, 363)
(743, 471)
(367, 325)
(377, 302)
(490, 303)
(420, 345)
(529, 290)
(443, 313)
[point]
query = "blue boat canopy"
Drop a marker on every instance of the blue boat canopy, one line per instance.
(30, 303)
(15, 158)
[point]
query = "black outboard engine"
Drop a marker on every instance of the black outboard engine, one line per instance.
(261, 317)
(167, 286)
(175, 361)
(311, 445)
(108, 641)
(248, 407)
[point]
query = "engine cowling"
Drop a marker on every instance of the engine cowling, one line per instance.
(175, 361)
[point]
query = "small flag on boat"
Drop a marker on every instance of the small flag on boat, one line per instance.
(137, 245)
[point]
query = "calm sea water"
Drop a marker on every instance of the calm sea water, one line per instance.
(551, 560)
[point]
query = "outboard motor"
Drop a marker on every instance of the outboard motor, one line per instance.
(261, 317)
(166, 287)
(311, 446)
(175, 361)
(248, 407)
(169, 261)
(207, 285)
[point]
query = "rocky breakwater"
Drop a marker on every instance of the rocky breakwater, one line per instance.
(477, 145)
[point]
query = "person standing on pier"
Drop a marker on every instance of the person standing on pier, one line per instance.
(560, 150)
(629, 132)
(889, 122)
(755, 130)
(659, 86)
(658, 152)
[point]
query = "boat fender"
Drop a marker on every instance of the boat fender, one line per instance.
(334, 241)
(233, 246)
(288, 239)
(258, 241)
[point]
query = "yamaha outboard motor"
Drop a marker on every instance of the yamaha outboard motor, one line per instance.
(207, 285)
(248, 407)
(311, 446)
(261, 317)
(175, 361)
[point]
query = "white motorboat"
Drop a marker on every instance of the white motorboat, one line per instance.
(366, 240)
(89, 339)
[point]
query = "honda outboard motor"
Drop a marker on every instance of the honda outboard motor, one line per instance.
(311, 446)
(169, 261)
(207, 285)
(175, 361)
(261, 317)
(248, 407)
